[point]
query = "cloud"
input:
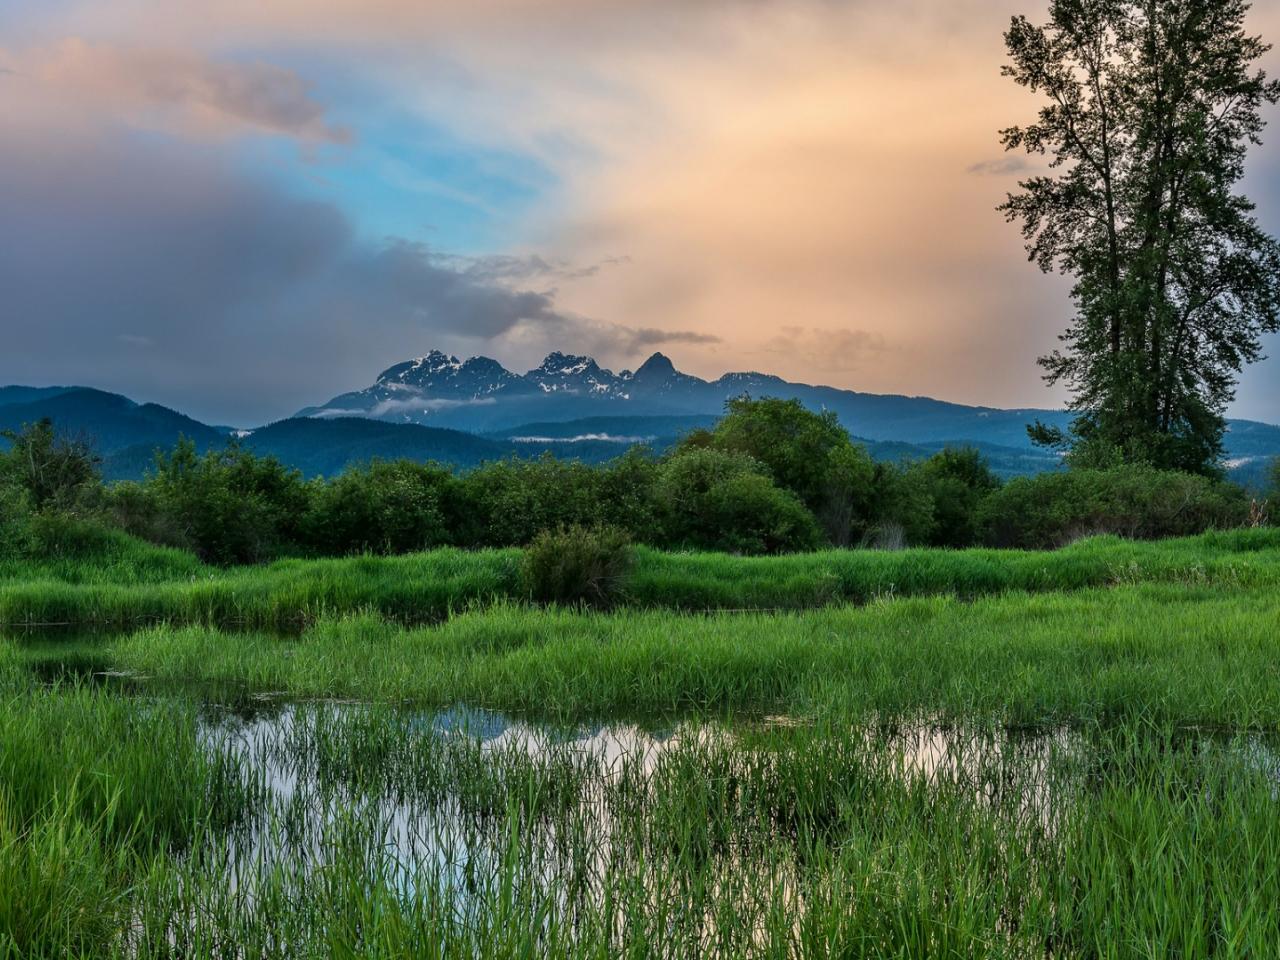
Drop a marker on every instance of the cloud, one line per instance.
(1005, 166)
(183, 89)
(614, 345)
(646, 337)
(250, 302)
(413, 405)
(588, 438)
(830, 351)
(427, 406)
(406, 280)
(762, 165)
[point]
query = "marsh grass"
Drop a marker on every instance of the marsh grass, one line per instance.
(136, 583)
(1009, 769)
(1181, 655)
(383, 834)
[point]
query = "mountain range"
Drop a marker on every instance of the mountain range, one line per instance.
(465, 412)
(479, 394)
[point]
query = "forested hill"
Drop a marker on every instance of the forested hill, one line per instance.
(127, 434)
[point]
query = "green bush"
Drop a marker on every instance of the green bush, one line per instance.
(514, 501)
(707, 499)
(804, 452)
(1139, 502)
(901, 506)
(16, 522)
(577, 565)
(957, 481)
(57, 472)
(386, 507)
(229, 506)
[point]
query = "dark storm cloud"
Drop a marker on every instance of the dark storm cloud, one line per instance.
(152, 269)
(405, 281)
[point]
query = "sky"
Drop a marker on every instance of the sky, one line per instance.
(238, 208)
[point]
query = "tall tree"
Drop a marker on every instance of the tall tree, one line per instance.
(1151, 106)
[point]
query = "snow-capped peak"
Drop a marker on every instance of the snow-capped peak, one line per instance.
(565, 364)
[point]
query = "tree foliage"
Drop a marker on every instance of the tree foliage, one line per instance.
(957, 481)
(808, 453)
(55, 470)
(1150, 108)
(385, 507)
(228, 505)
(1135, 500)
(710, 499)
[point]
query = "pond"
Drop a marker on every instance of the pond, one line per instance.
(466, 831)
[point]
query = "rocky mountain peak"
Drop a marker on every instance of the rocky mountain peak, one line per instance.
(657, 367)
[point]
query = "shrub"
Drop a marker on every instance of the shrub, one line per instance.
(577, 565)
(625, 488)
(229, 505)
(711, 500)
(17, 536)
(902, 508)
(136, 509)
(386, 507)
(57, 472)
(1140, 502)
(513, 500)
(804, 452)
(957, 481)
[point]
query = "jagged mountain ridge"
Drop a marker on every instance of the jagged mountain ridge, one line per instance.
(480, 394)
(568, 406)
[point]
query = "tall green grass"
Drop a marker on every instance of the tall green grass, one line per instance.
(1126, 841)
(90, 785)
(1188, 655)
(434, 585)
(993, 755)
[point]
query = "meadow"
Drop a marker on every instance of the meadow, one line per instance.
(118, 581)
(925, 753)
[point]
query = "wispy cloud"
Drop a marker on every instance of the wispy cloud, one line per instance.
(1003, 167)
(830, 351)
(185, 89)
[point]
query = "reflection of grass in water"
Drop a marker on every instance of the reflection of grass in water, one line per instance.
(134, 826)
(811, 840)
(127, 582)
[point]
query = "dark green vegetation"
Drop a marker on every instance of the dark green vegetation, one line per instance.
(769, 477)
(1149, 111)
(125, 582)
(1168, 653)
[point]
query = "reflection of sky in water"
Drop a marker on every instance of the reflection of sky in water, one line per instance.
(442, 838)
(451, 805)
(307, 820)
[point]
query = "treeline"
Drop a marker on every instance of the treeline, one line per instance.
(770, 477)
